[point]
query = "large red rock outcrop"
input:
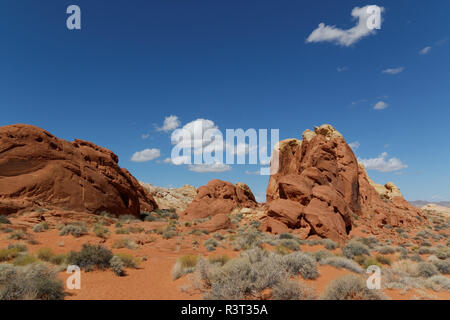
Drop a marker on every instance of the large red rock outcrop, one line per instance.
(39, 170)
(319, 188)
(219, 198)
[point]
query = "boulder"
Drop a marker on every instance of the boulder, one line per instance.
(39, 170)
(219, 197)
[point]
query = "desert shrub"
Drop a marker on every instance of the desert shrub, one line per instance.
(184, 265)
(330, 244)
(40, 227)
(4, 219)
(125, 243)
(129, 260)
(19, 247)
(219, 259)
(117, 266)
(287, 236)
(443, 266)
(76, 230)
(100, 232)
(247, 240)
(290, 244)
(369, 261)
(322, 254)
(383, 260)
(36, 282)
(8, 254)
(24, 259)
(279, 249)
(292, 290)
(127, 218)
(425, 250)
(354, 248)
(211, 244)
(350, 287)
(386, 250)
(90, 257)
(58, 259)
(169, 233)
(218, 236)
(415, 258)
(18, 235)
(44, 254)
(341, 262)
(301, 263)
(370, 242)
(426, 270)
(122, 231)
(442, 252)
(438, 282)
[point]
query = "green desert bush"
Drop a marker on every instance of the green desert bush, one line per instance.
(219, 259)
(41, 227)
(322, 254)
(184, 265)
(32, 282)
(383, 260)
(355, 248)
(90, 257)
(351, 287)
(129, 261)
(24, 260)
(18, 235)
(45, 254)
(125, 243)
(75, 229)
(342, 263)
(100, 232)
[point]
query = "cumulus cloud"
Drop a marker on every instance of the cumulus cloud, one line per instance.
(325, 33)
(393, 70)
(380, 105)
(382, 164)
(213, 167)
(425, 51)
(354, 145)
(341, 69)
(145, 136)
(146, 155)
(170, 124)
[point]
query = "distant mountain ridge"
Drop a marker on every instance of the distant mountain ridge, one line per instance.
(421, 203)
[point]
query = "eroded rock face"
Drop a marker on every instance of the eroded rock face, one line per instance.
(319, 187)
(171, 198)
(219, 197)
(39, 170)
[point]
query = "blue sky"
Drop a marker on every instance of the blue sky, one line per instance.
(241, 64)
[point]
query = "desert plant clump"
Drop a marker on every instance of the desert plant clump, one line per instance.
(301, 263)
(4, 219)
(211, 244)
(443, 266)
(219, 259)
(41, 227)
(342, 263)
(351, 287)
(125, 243)
(292, 290)
(129, 261)
(322, 254)
(330, 244)
(438, 283)
(75, 229)
(35, 282)
(386, 249)
(90, 257)
(426, 270)
(45, 254)
(184, 265)
(355, 248)
(245, 277)
(18, 235)
(117, 266)
(100, 231)
(383, 260)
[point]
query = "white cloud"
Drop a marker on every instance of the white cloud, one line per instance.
(345, 37)
(425, 51)
(380, 105)
(213, 167)
(257, 172)
(146, 155)
(341, 69)
(170, 123)
(354, 145)
(145, 136)
(393, 70)
(383, 164)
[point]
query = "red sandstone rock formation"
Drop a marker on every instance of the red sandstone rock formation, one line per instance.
(219, 198)
(39, 170)
(319, 188)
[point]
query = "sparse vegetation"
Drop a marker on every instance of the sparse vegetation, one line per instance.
(90, 257)
(341, 262)
(41, 227)
(184, 265)
(75, 229)
(351, 287)
(355, 248)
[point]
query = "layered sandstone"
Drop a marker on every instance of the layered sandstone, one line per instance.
(39, 170)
